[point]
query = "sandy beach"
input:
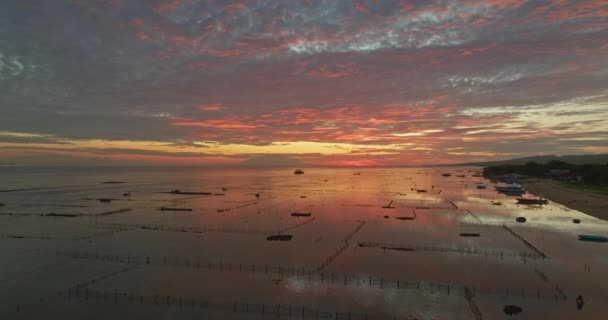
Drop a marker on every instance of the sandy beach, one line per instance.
(590, 203)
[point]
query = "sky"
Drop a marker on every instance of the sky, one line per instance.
(328, 82)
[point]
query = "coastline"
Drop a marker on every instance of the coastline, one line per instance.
(590, 203)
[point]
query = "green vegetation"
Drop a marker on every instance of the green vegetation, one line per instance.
(592, 176)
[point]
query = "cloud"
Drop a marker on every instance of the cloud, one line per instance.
(409, 79)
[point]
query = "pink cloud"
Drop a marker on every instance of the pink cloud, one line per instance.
(361, 8)
(211, 107)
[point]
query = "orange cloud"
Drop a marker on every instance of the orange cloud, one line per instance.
(217, 124)
(212, 107)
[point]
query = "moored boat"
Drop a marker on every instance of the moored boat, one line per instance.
(510, 189)
(540, 201)
(593, 238)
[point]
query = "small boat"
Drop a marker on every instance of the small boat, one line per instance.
(301, 214)
(512, 310)
(173, 209)
(447, 175)
(279, 237)
(421, 191)
(510, 189)
(405, 218)
(177, 191)
(357, 173)
(520, 219)
(481, 186)
(469, 234)
(298, 171)
(540, 201)
(592, 238)
(577, 221)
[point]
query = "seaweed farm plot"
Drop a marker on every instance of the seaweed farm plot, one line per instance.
(267, 244)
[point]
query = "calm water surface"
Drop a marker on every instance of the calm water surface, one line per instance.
(369, 244)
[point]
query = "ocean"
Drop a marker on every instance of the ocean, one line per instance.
(332, 243)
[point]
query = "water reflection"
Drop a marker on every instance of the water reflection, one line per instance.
(323, 267)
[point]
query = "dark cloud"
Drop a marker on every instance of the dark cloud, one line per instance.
(258, 72)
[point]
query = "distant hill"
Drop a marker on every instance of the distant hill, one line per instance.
(572, 159)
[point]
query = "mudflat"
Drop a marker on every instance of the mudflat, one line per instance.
(588, 202)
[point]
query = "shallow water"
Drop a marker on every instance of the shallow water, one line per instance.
(374, 246)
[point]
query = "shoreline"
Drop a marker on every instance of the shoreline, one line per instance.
(589, 203)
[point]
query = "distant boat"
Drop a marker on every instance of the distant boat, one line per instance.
(357, 173)
(593, 238)
(481, 186)
(163, 208)
(177, 191)
(510, 189)
(279, 237)
(532, 201)
(298, 171)
(301, 214)
(447, 174)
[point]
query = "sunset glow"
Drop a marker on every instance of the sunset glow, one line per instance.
(345, 83)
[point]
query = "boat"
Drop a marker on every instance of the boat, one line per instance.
(177, 191)
(357, 173)
(469, 234)
(447, 174)
(512, 310)
(510, 189)
(507, 178)
(481, 186)
(298, 171)
(539, 201)
(301, 214)
(405, 218)
(279, 237)
(163, 208)
(520, 219)
(592, 238)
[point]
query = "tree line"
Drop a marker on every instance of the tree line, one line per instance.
(596, 174)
